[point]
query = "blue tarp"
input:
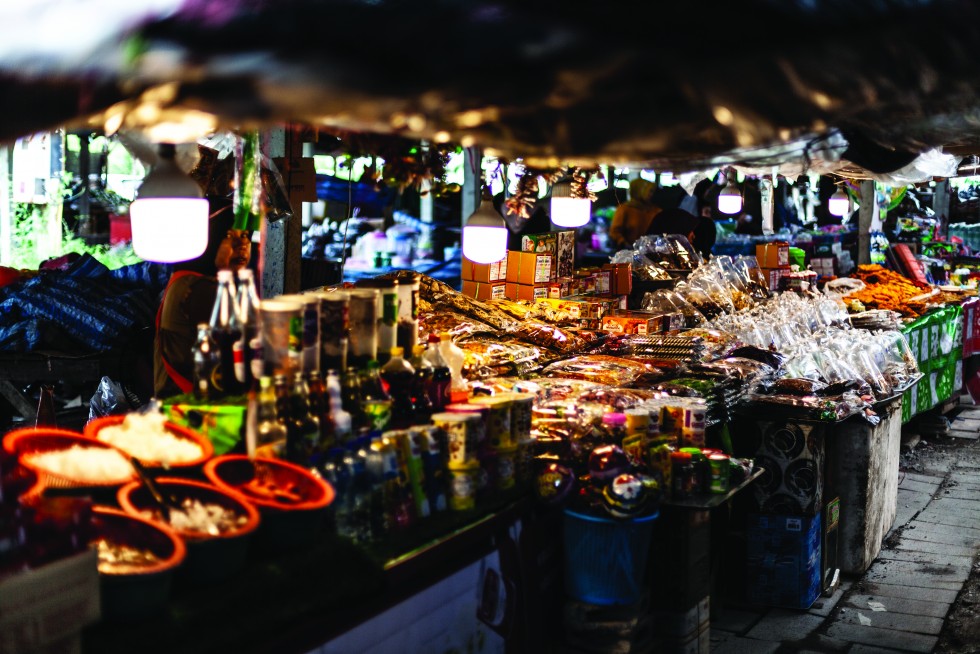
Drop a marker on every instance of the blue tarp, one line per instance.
(84, 308)
(371, 201)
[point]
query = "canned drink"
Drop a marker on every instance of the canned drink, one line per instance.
(693, 422)
(476, 409)
(637, 421)
(462, 488)
(362, 343)
(720, 472)
(522, 407)
(461, 432)
(524, 462)
(334, 329)
(507, 467)
(499, 431)
(309, 334)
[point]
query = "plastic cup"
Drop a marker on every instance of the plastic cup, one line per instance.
(282, 326)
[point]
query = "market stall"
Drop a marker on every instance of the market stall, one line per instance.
(567, 424)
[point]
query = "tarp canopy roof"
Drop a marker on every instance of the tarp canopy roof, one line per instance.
(682, 86)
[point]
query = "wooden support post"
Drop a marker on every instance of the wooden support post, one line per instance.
(272, 253)
(865, 216)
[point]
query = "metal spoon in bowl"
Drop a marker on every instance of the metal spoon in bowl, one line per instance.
(165, 501)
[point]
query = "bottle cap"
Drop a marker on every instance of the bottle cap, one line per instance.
(225, 275)
(397, 351)
(614, 418)
(245, 273)
(433, 338)
(444, 336)
(418, 349)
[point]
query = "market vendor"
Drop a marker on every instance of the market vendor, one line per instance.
(189, 299)
(632, 218)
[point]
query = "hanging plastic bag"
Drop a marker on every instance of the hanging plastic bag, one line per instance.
(111, 399)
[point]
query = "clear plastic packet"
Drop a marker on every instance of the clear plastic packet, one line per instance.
(758, 284)
(860, 360)
(700, 300)
(619, 399)
(550, 389)
(667, 301)
(709, 283)
(597, 368)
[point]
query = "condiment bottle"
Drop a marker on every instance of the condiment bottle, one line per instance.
(248, 308)
(205, 357)
(398, 377)
(454, 357)
(226, 330)
(302, 427)
(270, 432)
(421, 384)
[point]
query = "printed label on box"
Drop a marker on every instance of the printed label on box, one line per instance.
(542, 269)
(498, 291)
(494, 271)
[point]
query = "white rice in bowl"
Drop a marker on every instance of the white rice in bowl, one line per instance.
(145, 437)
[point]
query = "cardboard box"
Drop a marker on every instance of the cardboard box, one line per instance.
(775, 277)
(772, 255)
(566, 286)
(528, 267)
(565, 257)
(629, 324)
(52, 604)
(621, 278)
(484, 272)
(574, 308)
(529, 292)
(485, 291)
(585, 282)
(603, 282)
(545, 243)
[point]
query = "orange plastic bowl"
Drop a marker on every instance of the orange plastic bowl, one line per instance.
(285, 524)
(13, 437)
(24, 442)
(207, 448)
(209, 558)
(143, 591)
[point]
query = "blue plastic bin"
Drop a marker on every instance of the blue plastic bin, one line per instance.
(606, 559)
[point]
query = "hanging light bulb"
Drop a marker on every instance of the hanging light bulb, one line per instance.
(485, 233)
(170, 215)
(567, 210)
(730, 198)
(839, 203)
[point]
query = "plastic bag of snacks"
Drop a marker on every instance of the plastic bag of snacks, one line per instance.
(598, 368)
(667, 301)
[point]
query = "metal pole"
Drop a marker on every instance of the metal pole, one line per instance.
(272, 251)
(940, 205)
(865, 215)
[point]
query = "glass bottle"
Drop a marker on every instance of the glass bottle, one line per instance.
(351, 398)
(205, 362)
(398, 376)
(248, 308)
(320, 407)
(302, 428)
(441, 386)
(342, 423)
(281, 386)
(375, 401)
(46, 415)
(270, 432)
(422, 385)
(226, 330)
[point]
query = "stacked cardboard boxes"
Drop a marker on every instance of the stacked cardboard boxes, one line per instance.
(774, 261)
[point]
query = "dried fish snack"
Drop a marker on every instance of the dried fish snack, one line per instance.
(598, 368)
